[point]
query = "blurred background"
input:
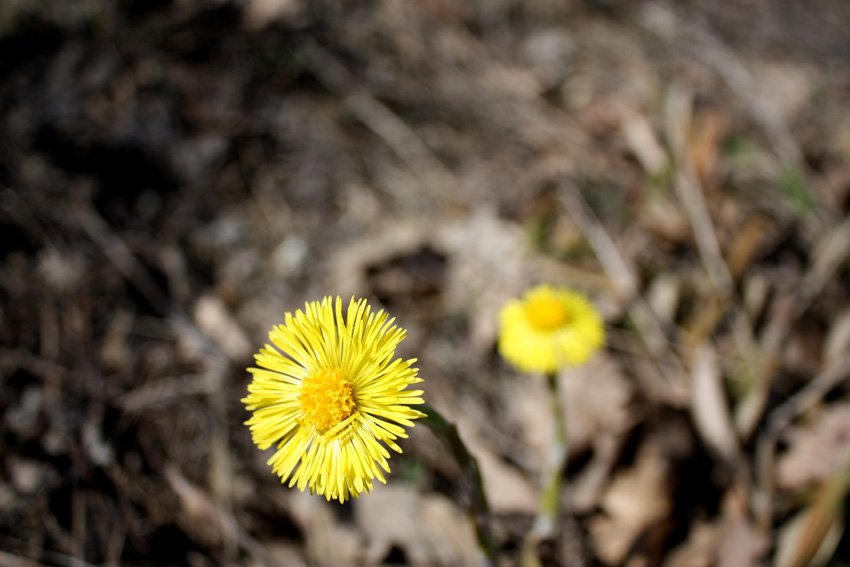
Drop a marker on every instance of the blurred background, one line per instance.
(175, 175)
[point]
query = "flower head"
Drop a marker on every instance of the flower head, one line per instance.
(328, 394)
(548, 329)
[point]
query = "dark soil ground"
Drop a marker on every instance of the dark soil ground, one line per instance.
(175, 175)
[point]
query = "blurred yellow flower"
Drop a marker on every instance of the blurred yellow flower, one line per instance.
(548, 329)
(329, 395)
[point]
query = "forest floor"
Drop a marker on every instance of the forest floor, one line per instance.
(175, 175)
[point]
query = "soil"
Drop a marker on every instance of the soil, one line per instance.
(175, 175)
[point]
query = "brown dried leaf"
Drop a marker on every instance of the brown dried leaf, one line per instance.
(202, 518)
(487, 265)
(746, 244)
(327, 542)
(698, 551)
(810, 538)
(431, 529)
(783, 88)
(817, 450)
(663, 297)
(739, 543)
(587, 487)
(595, 398)
(636, 499)
(705, 139)
(663, 218)
(731, 540)
(507, 490)
(643, 143)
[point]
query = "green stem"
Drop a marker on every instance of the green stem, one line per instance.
(476, 501)
(546, 523)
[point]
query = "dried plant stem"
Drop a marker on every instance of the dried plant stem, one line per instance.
(549, 509)
(475, 499)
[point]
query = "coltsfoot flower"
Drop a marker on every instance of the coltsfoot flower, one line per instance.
(329, 395)
(548, 329)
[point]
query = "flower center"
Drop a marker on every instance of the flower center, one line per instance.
(326, 399)
(546, 312)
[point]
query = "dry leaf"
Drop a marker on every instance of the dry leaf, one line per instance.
(817, 450)
(698, 551)
(810, 538)
(663, 297)
(739, 543)
(664, 219)
(595, 398)
(644, 143)
(327, 541)
(430, 529)
(203, 519)
(507, 490)
(586, 488)
(731, 540)
(636, 499)
(783, 88)
(706, 137)
(486, 266)
(746, 243)
(283, 553)
(528, 402)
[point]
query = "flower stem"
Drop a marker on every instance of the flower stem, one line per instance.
(549, 509)
(476, 504)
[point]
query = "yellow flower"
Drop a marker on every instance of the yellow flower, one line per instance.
(548, 329)
(332, 397)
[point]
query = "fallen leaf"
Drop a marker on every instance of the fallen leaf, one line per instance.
(816, 450)
(595, 398)
(698, 550)
(487, 265)
(328, 542)
(739, 542)
(636, 499)
(430, 529)
(507, 489)
(810, 538)
(643, 143)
